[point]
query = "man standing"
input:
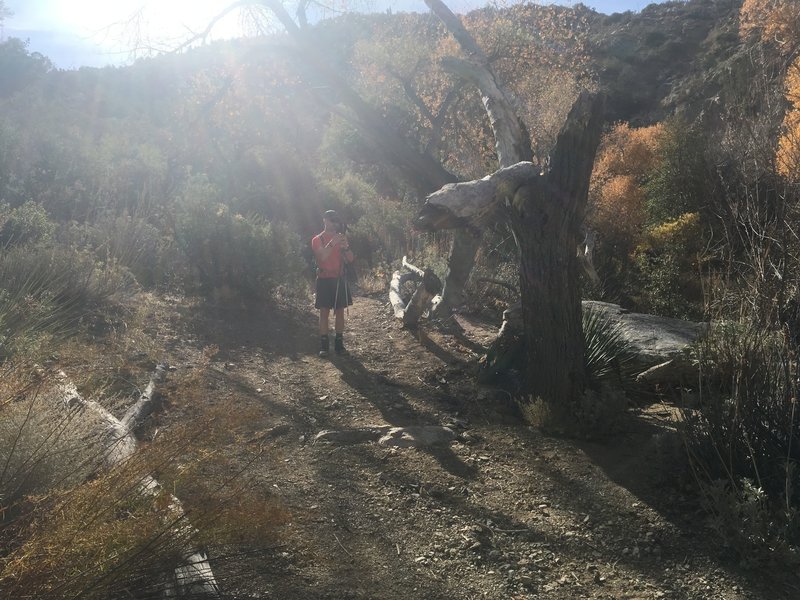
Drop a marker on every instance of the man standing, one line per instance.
(331, 250)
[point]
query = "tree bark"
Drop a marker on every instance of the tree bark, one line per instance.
(546, 211)
(548, 214)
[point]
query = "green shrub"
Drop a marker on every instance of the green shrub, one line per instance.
(132, 242)
(25, 224)
(229, 253)
(667, 263)
(679, 182)
(743, 440)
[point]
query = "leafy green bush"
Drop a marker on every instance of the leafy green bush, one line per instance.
(743, 441)
(667, 263)
(132, 242)
(231, 254)
(679, 181)
(25, 224)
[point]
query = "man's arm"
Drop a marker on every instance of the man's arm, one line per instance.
(323, 253)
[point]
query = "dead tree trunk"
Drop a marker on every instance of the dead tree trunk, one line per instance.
(194, 577)
(512, 144)
(506, 349)
(429, 286)
(545, 211)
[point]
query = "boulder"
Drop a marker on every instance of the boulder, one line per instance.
(656, 340)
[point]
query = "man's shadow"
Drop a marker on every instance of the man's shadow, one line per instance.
(386, 396)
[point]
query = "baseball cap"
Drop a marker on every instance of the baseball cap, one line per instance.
(331, 215)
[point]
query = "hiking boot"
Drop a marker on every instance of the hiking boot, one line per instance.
(338, 345)
(324, 346)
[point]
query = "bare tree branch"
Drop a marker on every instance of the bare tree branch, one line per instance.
(512, 141)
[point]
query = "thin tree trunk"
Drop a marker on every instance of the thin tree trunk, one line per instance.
(459, 266)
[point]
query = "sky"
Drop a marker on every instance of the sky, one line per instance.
(96, 33)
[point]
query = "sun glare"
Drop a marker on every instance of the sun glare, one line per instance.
(158, 22)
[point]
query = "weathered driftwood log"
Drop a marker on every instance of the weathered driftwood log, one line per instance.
(473, 202)
(396, 291)
(428, 289)
(416, 436)
(147, 402)
(194, 577)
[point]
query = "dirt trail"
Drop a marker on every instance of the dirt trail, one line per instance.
(503, 512)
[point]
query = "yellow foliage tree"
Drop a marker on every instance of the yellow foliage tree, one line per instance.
(773, 21)
(789, 144)
(616, 196)
(777, 22)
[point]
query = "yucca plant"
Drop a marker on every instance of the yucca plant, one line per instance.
(609, 357)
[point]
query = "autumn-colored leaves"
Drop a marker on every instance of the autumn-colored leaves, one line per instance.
(777, 23)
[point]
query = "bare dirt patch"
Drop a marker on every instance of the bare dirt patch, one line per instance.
(501, 512)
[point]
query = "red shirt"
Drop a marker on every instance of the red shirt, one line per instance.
(333, 266)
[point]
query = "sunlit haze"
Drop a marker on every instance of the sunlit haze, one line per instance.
(74, 33)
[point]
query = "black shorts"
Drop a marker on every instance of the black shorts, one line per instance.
(333, 293)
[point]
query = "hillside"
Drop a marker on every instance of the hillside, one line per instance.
(668, 59)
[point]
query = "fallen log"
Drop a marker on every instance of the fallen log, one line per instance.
(396, 294)
(147, 402)
(194, 577)
(427, 291)
(675, 371)
(413, 436)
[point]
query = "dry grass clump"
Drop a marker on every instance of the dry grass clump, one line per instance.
(74, 528)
